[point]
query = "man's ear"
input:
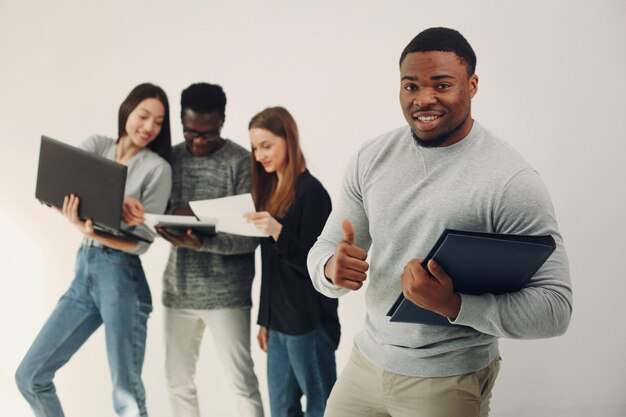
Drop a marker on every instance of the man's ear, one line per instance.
(473, 85)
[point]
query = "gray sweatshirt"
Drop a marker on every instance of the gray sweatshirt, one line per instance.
(220, 274)
(148, 179)
(399, 197)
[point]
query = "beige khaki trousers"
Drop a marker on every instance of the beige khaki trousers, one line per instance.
(364, 390)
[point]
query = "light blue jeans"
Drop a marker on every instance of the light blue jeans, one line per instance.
(300, 365)
(109, 288)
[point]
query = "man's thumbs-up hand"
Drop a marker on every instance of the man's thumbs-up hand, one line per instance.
(347, 267)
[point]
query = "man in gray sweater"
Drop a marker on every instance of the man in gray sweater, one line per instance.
(443, 170)
(208, 278)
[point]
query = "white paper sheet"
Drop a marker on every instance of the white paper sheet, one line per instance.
(229, 213)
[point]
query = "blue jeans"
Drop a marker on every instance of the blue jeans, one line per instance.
(109, 288)
(300, 365)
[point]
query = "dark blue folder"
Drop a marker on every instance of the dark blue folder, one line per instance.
(479, 263)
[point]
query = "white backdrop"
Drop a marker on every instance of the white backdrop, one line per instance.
(552, 83)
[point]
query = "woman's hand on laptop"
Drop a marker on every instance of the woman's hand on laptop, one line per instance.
(70, 211)
(132, 211)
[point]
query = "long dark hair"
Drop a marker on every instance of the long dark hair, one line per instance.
(162, 144)
(265, 191)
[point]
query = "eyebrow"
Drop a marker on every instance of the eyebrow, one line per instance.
(434, 77)
(148, 111)
(199, 131)
(261, 144)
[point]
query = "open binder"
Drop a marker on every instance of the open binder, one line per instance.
(479, 263)
(179, 224)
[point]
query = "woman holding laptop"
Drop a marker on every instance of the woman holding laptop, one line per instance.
(109, 286)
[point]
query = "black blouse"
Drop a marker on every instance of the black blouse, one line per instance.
(289, 302)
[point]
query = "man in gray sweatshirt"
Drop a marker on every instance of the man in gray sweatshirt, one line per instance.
(208, 278)
(443, 170)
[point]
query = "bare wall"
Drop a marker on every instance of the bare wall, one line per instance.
(551, 83)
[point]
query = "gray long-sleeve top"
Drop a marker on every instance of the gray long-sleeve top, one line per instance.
(399, 197)
(220, 274)
(148, 179)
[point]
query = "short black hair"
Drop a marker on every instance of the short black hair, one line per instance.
(445, 40)
(203, 98)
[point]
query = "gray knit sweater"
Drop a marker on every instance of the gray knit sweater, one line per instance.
(399, 197)
(220, 275)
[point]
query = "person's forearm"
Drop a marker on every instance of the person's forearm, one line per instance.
(527, 314)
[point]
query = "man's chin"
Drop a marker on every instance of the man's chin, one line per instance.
(199, 151)
(429, 142)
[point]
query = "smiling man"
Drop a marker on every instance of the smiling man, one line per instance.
(208, 279)
(400, 191)
(435, 95)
